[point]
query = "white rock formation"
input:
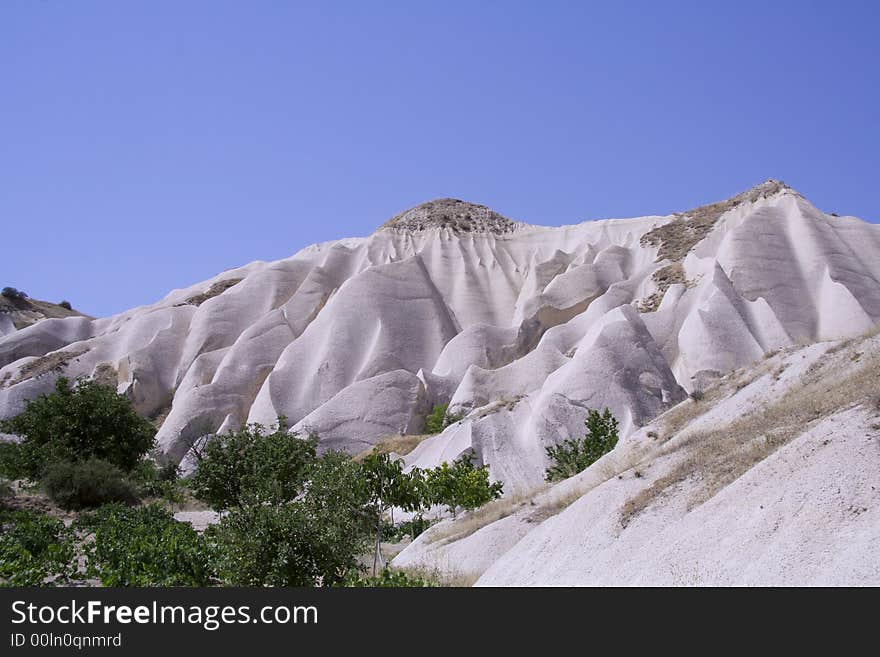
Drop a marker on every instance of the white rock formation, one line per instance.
(771, 479)
(522, 327)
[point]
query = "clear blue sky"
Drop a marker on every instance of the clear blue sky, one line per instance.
(149, 145)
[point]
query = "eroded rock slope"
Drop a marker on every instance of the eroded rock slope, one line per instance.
(521, 327)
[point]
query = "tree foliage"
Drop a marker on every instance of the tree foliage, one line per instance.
(144, 546)
(87, 484)
(251, 466)
(35, 549)
(388, 486)
(462, 484)
(387, 578)
(313, 540)
(14, 294)
(439, 418)
(575, 455)
(76, 423)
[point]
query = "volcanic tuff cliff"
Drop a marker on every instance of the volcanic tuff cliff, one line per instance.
(522, 328)
(768, 478)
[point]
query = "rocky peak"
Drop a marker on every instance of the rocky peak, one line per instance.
(459, 216)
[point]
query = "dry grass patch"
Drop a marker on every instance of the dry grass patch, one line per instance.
(683, 413)
(840, 346)
(716, 458)
(106, 375)
(471, 521)
(215, 290)
(26, 312)
(54, 310)
(401, 445)
(56, 362)
(683, 233)
(452, 578)
(161, 414)
(554, 504)
(663, 278)
(701, 401)
(537, 505)
(494, 407)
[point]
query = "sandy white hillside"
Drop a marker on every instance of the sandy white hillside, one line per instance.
(521, 327)
(773, 478)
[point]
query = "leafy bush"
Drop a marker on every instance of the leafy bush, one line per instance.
(5, 491)
(86, 421)
(246, 466)
(261, 545)
(20, 461)
(151, 480)
(312, 541)
(296, 519)
(34, 549)
(12, 293)
(461, 485)
(411, 528)
(388, 578)
(159, 482)
(144, 546)
(439, 418)
(575, 455)
(66, 305)
(87, 484)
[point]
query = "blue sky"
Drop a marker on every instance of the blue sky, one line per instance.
(149, 145)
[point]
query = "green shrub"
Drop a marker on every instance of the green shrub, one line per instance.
(248, 466)
(6, 491)
(35, 549)
(439, 418)
(144, 546)
(21, 461)
(312, 541)
(66, 305)
(153, 481)
(13, 294)
(576, 455)
(461, 485)
(79, 423)
(162, 483)
(412, 528)
(388, 578)
(87, 484)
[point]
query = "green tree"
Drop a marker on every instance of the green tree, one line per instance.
(13, 294)
(389, 486)
(144, 546)
(252, 466)
(76, 423)
(575, 455)
(311, 541)
(462, 484)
